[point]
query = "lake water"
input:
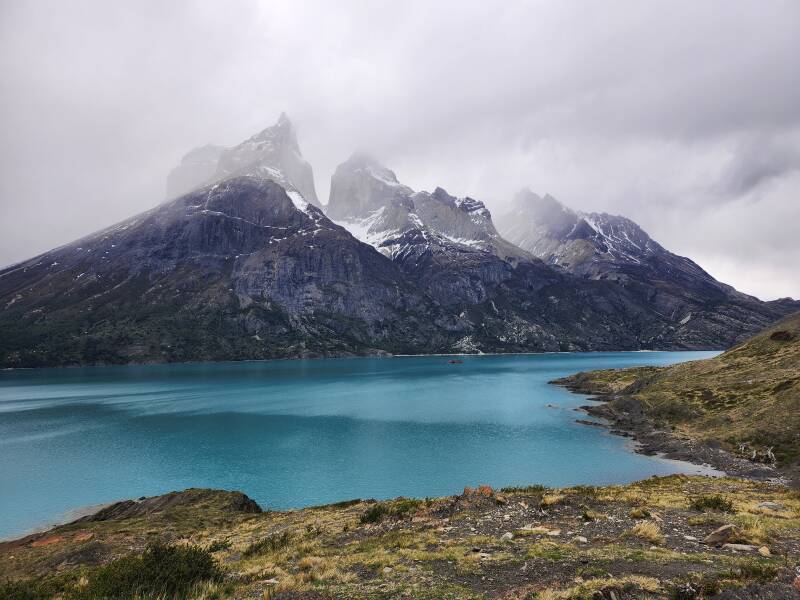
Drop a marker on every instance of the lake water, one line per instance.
(299, 433)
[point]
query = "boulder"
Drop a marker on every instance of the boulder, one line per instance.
(771, 506)
(739, 547)
(721, 535)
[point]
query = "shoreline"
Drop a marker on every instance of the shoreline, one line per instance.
(344, 356)
(622, 416)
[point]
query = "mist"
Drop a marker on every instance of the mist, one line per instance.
(682, 116)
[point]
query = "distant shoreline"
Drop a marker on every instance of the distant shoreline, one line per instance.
(347, 356)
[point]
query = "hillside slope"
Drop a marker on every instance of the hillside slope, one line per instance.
(642, 540)
(599, 246)
(235, 270)
(747, 398)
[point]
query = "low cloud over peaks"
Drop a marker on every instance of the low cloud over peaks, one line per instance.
(682, 116)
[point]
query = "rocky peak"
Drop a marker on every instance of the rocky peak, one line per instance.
(273, 153)
(361, 185)
(559, 235)
(368, 200)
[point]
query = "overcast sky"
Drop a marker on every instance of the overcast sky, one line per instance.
(682, 115)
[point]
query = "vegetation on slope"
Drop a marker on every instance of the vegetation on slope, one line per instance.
(747, 398)
(642, 539)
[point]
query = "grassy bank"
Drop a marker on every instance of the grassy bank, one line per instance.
(643, 539)
(746, 399)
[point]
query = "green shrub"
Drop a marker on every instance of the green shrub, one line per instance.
(271, 543)
(218, 545)
(756, 570)
(21, 590)
(160, 571)
(714, 503)
(397, 509)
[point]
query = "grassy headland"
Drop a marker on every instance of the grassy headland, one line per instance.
(746, 400)
(640, 540)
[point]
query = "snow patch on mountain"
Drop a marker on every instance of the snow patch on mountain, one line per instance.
(368, 200)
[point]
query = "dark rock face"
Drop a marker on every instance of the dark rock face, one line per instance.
(235, 502)
(690, 308)
(232, 271)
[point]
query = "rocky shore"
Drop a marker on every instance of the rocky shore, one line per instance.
(623, 415)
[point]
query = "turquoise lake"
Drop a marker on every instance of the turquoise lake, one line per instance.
(299, 433)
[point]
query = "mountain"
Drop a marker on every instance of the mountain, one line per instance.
(446, 244)
(450, 249)
(599, 246)
(747, 399)
(273, 154)
(236, 269)
(245, 265)
(367, 198)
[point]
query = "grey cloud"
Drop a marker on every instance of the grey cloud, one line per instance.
(756, 161)
(655, 110)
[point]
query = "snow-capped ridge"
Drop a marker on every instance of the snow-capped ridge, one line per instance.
(367, 198)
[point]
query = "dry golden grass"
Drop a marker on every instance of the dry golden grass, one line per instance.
(552, 500)
(588, 589)
(647, 531)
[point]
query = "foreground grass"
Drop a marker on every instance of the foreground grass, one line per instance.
(642, 539)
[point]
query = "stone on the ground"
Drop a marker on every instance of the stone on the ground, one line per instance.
(721, 535)
(554, 532)
(771, 506)
(739, 547)
(507, 536)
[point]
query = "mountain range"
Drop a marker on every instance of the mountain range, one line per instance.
(244, 262)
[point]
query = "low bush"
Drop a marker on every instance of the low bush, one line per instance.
(21, 590)
(271, 543)
(756, 570)
(716, 503)
(397, 509)
(218, 545)
(161, 571)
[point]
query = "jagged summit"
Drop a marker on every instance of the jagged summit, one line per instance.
(600, 246)
(367, 198)
(574, 240)
(273, 153)
(280, 134)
